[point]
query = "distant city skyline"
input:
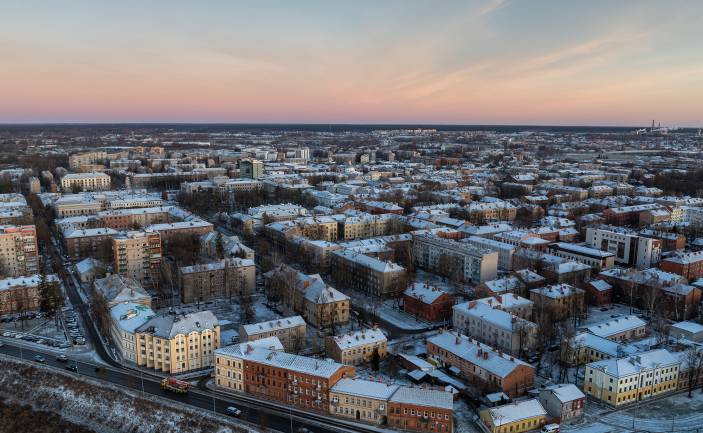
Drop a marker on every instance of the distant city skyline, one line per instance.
(489, 62)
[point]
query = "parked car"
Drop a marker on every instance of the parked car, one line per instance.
(550, 428)
(233, 411)
(79, 340)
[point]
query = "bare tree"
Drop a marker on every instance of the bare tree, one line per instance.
(693, 362)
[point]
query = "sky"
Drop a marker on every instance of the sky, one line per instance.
(558, 62)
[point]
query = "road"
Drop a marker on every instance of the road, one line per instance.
(274, 417)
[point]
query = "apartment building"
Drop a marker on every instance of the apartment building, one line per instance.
(296, 380)
(633, 378)
(627, 215)
(558, 302)
(93, 181)
(219, 279)
(504, 250)
(370, 275)
(362, 400)
(126, 317)
(181, 229)
(620, 329)
(427, 302)
(357, 347)
(421, 409)
(510, 303)
(593, 257)
(565, 402)
(18, 250)
(77, 160)
(178, 343)
(688, 264)
(95, 243)
(481, 365)
(495, 327)
(137, 255)
(474, 264)
(229, 365)
(516, 417)
(21, 294)
(629, 248)
(251, 168)
(289, 330)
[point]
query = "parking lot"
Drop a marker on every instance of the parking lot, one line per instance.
(62, 332)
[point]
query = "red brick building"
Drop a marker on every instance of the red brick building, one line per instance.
(598, 292)
(428, 303)
(688, 265)
(421, 409)
(292, 379)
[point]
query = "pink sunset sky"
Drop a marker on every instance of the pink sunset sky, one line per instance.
(466, 62)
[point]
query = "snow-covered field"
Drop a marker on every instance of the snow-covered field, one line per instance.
(101, 407)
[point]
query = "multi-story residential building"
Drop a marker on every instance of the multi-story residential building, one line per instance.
(126, 317)
(93, 181)
(95, 243)
(511, 303)
(421, 409)
(357, 347)
(21, 294)
(219, 279)
(633, 378)
(585, 347)
(558, 302)
(116, 289)
(495, 327)
(137, 255)
(229, 365)
(565, 402)
(620, 328)
(629, 248)
(320, 304)
(427, 302)
(593, 257)
(181, 229)
(480, 364)
(627, 215)
(289, 330)
(18, 250)
(281, 377)
(362, 400)
(689, 264)
(474, 264)
(504, 250)
(375, 277)
(251, 168)
(77, 160)
(517, 417)
(178, 343)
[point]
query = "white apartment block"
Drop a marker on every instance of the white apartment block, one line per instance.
(92, 181)
(477, 264)
(495, 327)
(505, 251)
(629, 249)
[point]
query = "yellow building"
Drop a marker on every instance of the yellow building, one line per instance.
(357, 347)
(359, 399)
(515, 417)
(633, 378)
(229, 362)
(177, 344)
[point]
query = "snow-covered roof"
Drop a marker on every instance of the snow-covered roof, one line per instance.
(273, 325)
(251, 352)
(482, 355)
(129, 316)
(634, 364)
(362, 337)
(616, 326)
(424, 292)
(691, 327)
(516, 411)
(567, 392)
(364, 388)
(423, 397)
(169, 325)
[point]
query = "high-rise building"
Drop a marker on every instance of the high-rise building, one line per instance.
(251, 168)
(18, 251)
(137, 255)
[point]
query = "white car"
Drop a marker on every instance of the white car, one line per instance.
(233, 411)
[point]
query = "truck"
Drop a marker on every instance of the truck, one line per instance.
(174, 385)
